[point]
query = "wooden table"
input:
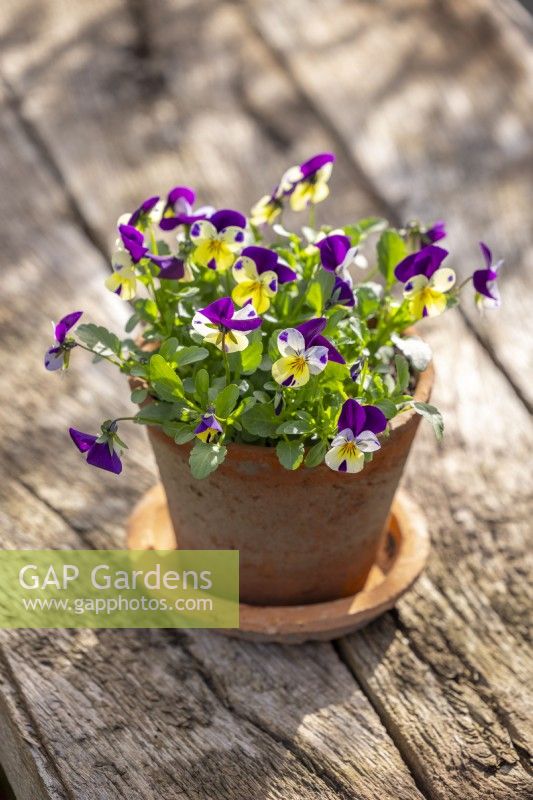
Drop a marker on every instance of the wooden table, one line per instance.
(428, 106)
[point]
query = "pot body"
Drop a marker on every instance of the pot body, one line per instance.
(306, 536)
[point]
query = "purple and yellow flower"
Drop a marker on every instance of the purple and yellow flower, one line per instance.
(57, 356)
(103, 450)
(258, 273)
(129, 251)
(358, 428)
(308, 183)
(208, 428)
(426, 282)
(178, 209)
(218, 239)
(266, 210)
(224, 327)
(485, 282)
(298, 361)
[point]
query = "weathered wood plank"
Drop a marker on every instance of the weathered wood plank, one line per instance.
(466, 739)
(434, 101)
(133, 714)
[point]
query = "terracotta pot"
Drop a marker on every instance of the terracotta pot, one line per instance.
(304, 537)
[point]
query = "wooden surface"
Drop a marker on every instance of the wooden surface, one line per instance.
(428, 105)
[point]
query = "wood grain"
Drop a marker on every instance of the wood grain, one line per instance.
(433, 100)
(449, 674)
(132, 714)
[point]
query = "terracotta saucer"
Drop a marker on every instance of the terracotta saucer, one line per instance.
(400, 561)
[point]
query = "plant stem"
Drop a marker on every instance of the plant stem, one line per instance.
(225, 357)
(100, 355)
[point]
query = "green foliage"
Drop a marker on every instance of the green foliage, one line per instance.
(391, 250)
(433, 415)
(98, 339)
(165, 382)
(206, 458)
(290, 453)
(226, 401)
(260, 420)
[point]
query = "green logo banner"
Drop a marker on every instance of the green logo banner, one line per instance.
(119, 589)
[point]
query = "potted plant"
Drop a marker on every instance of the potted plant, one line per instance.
(281, 392)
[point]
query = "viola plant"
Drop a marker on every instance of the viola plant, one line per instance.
(245, 331)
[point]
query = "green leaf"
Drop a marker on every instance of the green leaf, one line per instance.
(226, 401)
(320, 290)
(294, 426)
(402, 373)
(368, 299)
(190, 355)
(315, 455)
(252, 356)
(290, 454)
(201, 384)
(168, 349)
(99, 339)
(181, 432)
(167, 385)
(139, 395)
(388, 408)
(364, 227)
(205, 458)
(433, 415)
(391, 250)
(260, 420)
(156, 412)
(132, 322)
(415, 350)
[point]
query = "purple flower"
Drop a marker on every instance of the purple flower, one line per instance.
(101, 450)
(360, 418)
(342, 293)
(484, 280)
(358, 428)
(227, 218)
(57, 356)
(424, 262)
(178, 209)
(140, 214)
(208, 428)
(435, 233)
(133, 241)
(311, 331)
(224, 327)
(336, 252)
(171, 268)
(314, 164)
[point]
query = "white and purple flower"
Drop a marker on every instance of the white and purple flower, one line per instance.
(485, 282)
(227, 329)
(103, 450)
(258, 272)
(218, 239)
(426, 282)
(304, 353)
(57, 356)
(358, 428)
